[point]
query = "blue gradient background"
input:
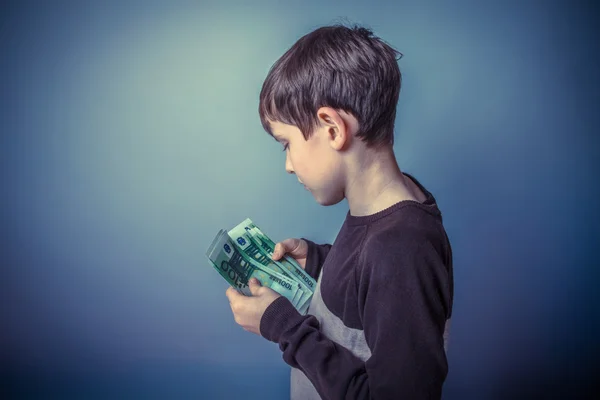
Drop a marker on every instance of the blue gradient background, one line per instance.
(130, 135)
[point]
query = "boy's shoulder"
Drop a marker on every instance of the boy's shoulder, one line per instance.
(411, 231)
(413, 226)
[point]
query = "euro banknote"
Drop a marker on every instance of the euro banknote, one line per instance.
(245, 252)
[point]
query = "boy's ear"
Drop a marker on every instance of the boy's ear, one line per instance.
(334, 126)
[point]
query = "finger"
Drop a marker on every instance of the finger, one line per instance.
(254, 285)
(285, 246)
(232, 294)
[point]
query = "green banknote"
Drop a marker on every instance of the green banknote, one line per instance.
(245, 252)
(268, 245)
(243, 239)
(237, 268)
(256, 237)
(223, 267)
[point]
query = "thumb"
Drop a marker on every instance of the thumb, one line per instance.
(285, 246)
(254, 285)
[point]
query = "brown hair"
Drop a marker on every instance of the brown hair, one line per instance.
(346, 68)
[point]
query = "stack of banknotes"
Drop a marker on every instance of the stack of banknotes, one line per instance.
(245, 252)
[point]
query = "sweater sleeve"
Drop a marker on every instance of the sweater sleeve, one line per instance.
(317, 253)
(404, 299)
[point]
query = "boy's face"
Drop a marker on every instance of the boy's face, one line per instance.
(315, 161)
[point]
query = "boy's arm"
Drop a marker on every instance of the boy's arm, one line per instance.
(317, 253)
(405, 299)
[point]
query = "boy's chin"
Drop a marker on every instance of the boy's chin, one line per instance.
(328, 199)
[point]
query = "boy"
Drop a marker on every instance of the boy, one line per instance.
(375, 326)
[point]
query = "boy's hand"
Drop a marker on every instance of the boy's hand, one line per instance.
(297, 248)
(248, 310)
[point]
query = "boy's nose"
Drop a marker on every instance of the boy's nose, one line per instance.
(288, 165)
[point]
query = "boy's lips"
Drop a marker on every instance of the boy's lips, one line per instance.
(302, 183)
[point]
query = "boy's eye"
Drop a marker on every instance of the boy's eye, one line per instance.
(285, 147)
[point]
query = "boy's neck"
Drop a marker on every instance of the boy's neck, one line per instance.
(377, 183)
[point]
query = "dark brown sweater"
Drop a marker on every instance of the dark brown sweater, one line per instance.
(375, 326)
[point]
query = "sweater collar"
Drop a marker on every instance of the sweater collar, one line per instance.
(428, 205)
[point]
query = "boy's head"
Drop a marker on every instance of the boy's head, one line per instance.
(334, 90)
